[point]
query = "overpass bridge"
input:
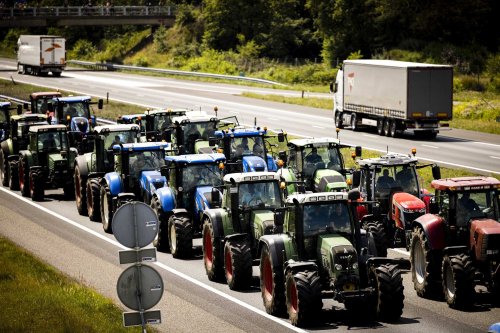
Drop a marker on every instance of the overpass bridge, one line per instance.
(86, 16)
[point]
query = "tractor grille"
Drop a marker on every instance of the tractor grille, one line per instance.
(158, 184)
(491, 247)
(410, 217)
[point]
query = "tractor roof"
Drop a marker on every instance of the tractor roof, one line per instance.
(197, 158)
(29, 117)
(466, 183)
(132, 116)
(240, 132)
(388, 160)
(45, 94)
(4, 104)
(313, 142)
(142, 146)
(316, 197)
(251, 176)
(73, 99)
(116, 128)
(170, 112)
(48, 128)
(194, 117)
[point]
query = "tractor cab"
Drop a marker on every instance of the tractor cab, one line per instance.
(191, 132)
(159, 122)
(19, 128)
(137, 119)
(317, 163)
(74, 112)
(4, 119)
(39, 101)
(246, 149)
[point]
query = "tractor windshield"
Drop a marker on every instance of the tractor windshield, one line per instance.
(116, 138)
(3, 115)
(326, 218)
(400, 177)
(241, 146)
(260, 195)
(146, 160)
(198, 131)
(200, 175)
(161, 121)
(24, 126)
(322, 157)
(476, 204)
(76, 109)
(52, 141)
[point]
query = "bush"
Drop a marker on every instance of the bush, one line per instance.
(471, 83)
(82, 50)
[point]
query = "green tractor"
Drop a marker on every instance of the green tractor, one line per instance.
(231, 233)
(16, 139)
(47, 162)
(321, 253)
(317, 163)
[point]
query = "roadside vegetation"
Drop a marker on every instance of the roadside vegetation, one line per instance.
(36, 298)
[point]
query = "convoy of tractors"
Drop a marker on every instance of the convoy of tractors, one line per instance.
(315, 228)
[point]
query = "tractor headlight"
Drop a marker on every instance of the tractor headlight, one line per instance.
(338, 267)
(355, 265)
(492, 252)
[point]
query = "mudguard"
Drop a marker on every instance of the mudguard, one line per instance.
(271, 163)
(7, 147)
(151, 180)
(434, 230)
(215, 217)
(114, 182)
(203, 198)
(167, 199)
(300, 266)
(236, 237)
(276, 247)
(26, 154)
(253, 163)
(81, 162)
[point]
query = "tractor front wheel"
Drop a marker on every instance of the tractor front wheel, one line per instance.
(93, 200)
(303, 297)
(106, 208)
(238, 264)
(389, 297)
(458, 281)
(37, 191)
(24, 177)
(212, 253)
(180, 232)
(272, 284)
(13, 175)
(161, 242)
(379, 236)
(80, 192)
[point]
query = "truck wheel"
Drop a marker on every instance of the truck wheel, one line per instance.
(106, 208)
(338, 119)
(458, 281)
(387, 125)
(393, 129)
(354, 122)
(425, 266)
(388, 284)
(93, 202)
(379, 236)
(161, 242)
(238, 264)
(80, 192)
(303, 297)
(13, 175)
(36, 186)
(272, 284)
(56, 74)
(380, 126)
(212, 253)
(5, 169)
(24, 177)
(180, 236)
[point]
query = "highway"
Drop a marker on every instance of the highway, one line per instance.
(55, 232)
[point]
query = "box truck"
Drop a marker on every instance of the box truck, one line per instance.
(41, 54)
(393, 96)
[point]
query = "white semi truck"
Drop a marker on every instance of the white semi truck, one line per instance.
(41, 54)
(393, 96)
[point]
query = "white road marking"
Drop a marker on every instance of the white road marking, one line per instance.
(320, 127)
(430, 146)
(486, 143)
(495, 157)
(159, 264)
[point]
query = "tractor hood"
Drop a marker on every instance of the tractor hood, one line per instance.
(253, 163)
(203, 198)
(263, 222)
(338, 257)
(152, 180)
(326, 180)
(408, 202)
(485, 238)
(79, 124)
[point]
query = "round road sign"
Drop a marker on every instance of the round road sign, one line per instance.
(135, 224)
(140, 283)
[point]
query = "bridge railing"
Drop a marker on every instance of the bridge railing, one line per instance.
(87, 11)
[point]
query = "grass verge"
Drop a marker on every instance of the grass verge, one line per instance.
(36, 298)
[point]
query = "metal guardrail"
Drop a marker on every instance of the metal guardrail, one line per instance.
(12, 13)
(108, 66)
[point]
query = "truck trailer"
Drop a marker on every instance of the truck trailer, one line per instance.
(41, 54)
(393, 96)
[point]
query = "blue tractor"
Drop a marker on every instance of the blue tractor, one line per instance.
(193, 182)
(136, 176)
(246, 149)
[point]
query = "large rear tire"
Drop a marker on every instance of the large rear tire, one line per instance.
(238, 264)
(24, 177)
(214, 265)
(106, 209)
(272, 284)
(458, 281)
(14, 175)
(180, 236)
(80, 182)
(379, 236)
(93, 203)
(303, 297)
(425, 266)
(389, 296)
(161, 242)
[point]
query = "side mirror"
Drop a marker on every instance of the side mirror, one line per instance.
(279, 221)
(20, 108)
(50, 107)
(215, 197)
(433, 207)
(358, 150)
(353, 195)
(356, 178)
(331, 87)
(164, 171)
(212, 141)
(281, 137)
(100, 104)
(436, 172)
(282, 156)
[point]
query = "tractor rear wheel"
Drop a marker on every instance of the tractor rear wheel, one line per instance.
(161, 242)
(338, 119)
(425, 266)
(303, 297)
(24, 177)
(272, 284)
(5, 169)
(238, 264)
(93, 203)
(212, 253)
(180, 236)
(80, 192)
(106, 208)
(37, 191)
(379, 236)
(13, 175)
(458, 281)
(389, 297)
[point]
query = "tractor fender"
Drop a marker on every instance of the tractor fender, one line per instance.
(81, 163)
(26, 154)
(36, 167)
(453, 250)
(253, 163)
(7, 147)
(114, 182)
(434, 230)
(180, 211)
(13, 157)
(271, 163)
(215, 217)
(276, 247)
(300, 266)
(239, 237)
(402, 263)
(167, 198)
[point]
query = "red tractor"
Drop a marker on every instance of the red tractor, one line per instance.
(457, 245)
